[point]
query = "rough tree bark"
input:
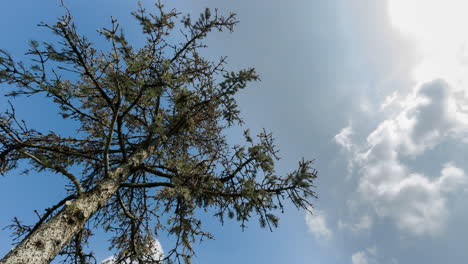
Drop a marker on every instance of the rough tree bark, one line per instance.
(43, 245)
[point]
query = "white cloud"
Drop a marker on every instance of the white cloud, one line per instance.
(426, 117)
(364, 223)
(157, 250)
(366, 256)
(415, 202)
(343, 138)
(389, 101)
(317, 224)
(359, 258)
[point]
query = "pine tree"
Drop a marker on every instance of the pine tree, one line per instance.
(151, 148)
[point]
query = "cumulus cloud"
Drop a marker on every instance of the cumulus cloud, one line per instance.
(158, 255)
(416, 203)
(343, 138)
(359, 257)
(317, 225)
(367, 256)
(427, 116)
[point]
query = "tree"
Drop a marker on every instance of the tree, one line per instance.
(150, 150)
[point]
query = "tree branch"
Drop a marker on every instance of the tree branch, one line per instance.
(59, 169)
(147, 185)
(238, 169)
(84, 65)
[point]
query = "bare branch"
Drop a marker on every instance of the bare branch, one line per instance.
(58, 169)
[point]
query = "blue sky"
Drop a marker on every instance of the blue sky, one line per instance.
(374, 91)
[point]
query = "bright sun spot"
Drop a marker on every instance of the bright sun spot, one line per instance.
(439, 29)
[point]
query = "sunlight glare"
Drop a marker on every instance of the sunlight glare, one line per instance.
(439, 30)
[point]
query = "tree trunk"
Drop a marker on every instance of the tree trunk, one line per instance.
(45, 243)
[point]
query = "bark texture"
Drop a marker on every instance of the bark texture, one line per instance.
(45, 243)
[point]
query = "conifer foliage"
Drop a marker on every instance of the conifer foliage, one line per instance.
(150, 152)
